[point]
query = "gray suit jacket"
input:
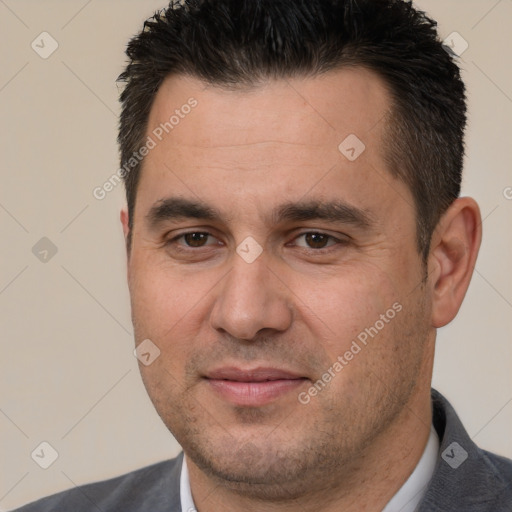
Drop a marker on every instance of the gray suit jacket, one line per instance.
(466, 479)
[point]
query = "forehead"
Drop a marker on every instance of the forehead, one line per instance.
(310, 110)
(253, 149)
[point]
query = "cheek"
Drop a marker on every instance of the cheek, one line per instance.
(164, 309)
(372, 333)
(159, 297)
(346, 303)
(169, 305)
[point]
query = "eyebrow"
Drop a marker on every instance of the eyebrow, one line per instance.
(330, 211)
(174, 208)
(335, 211)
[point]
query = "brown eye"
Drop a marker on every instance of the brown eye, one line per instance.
(195, 239)
(316, 240)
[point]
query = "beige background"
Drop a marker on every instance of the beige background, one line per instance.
(68, 375)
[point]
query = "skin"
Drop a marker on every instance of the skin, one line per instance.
(300, 303)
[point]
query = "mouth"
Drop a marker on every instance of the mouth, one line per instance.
(253, 387)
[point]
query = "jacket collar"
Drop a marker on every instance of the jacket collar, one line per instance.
(465, 478)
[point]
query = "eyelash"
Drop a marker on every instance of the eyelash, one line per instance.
(328, 248)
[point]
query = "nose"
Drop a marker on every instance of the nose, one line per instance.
(251, 299)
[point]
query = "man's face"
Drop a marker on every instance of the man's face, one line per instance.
(244, 335)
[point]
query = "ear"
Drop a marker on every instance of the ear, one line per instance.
(453, 252)
(126, 228)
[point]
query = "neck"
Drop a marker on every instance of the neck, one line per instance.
(367, 485)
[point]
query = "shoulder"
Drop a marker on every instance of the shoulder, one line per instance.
(152, 488)
(499, 470)
(466, 477)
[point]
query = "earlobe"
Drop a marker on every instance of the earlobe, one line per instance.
(452, 258)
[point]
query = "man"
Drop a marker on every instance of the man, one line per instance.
(295, 237)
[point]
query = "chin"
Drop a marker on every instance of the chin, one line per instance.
(251, 473)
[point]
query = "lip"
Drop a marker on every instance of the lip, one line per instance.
(254, 386)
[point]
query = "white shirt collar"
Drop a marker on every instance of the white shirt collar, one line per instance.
(405, 500)
(187, 503)
(410, 494)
